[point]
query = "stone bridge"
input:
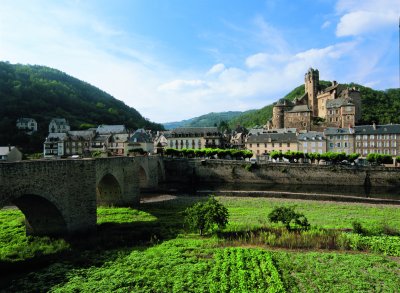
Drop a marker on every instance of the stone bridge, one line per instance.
(60, 197)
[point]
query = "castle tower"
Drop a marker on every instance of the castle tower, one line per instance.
(311, 82)
(278, 114)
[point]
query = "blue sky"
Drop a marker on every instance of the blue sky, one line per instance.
(177, 59)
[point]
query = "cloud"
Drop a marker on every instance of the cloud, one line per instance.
(364, 22)
(365, 17)
(217, 68)
(182, 85)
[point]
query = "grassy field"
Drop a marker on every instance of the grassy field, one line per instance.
(147, 250)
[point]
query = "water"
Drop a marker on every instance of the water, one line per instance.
(388, 193)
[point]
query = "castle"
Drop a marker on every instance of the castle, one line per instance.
(334, 106)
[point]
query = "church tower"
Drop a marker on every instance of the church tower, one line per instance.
(311, 82)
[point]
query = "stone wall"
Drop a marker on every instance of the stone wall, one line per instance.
(217, 171)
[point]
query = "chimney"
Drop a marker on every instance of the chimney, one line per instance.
(9, 148)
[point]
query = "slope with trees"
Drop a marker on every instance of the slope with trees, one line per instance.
(44, 93)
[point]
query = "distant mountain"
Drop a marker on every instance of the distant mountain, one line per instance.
(44, 93)
(207, 120)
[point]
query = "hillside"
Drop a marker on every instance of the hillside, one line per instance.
(44, 93)
(207, 120)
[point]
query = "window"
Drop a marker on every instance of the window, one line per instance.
(280, 144)
(365, 137)
(338, 144)
(313, 144)
(273, 144)
(258, 145)
(358, 137)
(305, 144)
(346, 145)
(345, 137)
(251, 145)
(288, 144)
(331, 145)
(320, 144)
(265, 145)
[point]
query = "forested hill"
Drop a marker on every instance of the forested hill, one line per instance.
(207, 120)
(44, 93)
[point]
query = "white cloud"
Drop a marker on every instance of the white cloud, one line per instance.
(262, 60)
(217, 68)
(364, 22)
(364, 17)
(182, 85)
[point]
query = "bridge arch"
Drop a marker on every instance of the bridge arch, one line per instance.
(42, 215)
(108, 190)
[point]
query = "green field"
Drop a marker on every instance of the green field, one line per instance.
(147, 250)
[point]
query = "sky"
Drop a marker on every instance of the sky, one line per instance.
(178, 59)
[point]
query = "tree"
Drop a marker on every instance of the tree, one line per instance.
(205, 216)
(289, 217)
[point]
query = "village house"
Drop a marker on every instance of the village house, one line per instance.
(29, 125)
(54, 145)
(195, 138)
(380, 139)
(261, 144)
(78, 142)
(312, 142)
(10, 154)
(160, 141)
(339, 140)
(142, 139)
(118, 144)
(59, 125)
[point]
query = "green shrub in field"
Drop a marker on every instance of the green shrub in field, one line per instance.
(204, 216)
(358, 228)
(289, 217)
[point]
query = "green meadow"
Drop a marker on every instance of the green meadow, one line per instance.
(148, 250)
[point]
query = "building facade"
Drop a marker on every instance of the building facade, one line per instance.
(195, 138)
(54, 145)
(380, 139)
(312, 142)
(265, 143)
(339, 140)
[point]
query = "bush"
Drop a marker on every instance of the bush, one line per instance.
(289, 217)
(379, 159)
(205, 216)
(358, 228)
